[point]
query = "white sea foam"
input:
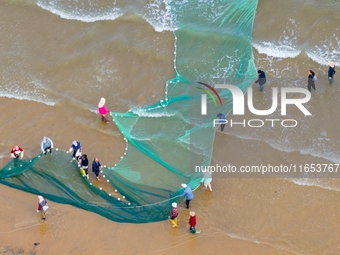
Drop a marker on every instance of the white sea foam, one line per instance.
(156, 14)
(34, 90)
(319, 54)
(276, 50)
(315, 152)
(144, 113)
(54, 7)
(321, 57)
(29, 98)
(286, 147)
(314, 183)
(159, 16)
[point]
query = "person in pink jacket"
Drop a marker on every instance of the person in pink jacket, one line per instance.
(102, 109)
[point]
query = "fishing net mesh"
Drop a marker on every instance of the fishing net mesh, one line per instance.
(164, 141)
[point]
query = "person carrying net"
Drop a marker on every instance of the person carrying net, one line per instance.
(16, 153)
(46, 145)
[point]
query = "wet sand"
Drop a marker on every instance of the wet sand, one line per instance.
(264, 215)
(241, 216)
(69, 230)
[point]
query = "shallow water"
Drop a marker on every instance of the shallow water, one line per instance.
(58, 58)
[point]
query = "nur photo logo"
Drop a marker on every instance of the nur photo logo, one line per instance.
(239, 102)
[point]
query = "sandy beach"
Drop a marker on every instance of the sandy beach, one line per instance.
(69, 230)
(59, 57)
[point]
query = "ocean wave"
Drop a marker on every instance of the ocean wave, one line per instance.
(319, 54)
(314, 183)
(33, 98)
(75, 13)
(284, 147)
(157, 14)
(328, 155)
(33, 90)
(314, 152)
(276, 50)
(142, 113)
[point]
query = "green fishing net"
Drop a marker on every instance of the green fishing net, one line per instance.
(166, 140)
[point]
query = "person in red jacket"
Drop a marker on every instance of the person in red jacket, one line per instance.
(16, 153)
(192, 223)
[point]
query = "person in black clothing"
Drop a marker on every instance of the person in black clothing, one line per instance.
(331, 71)
(262, 79)
(85, 165)
(96, 167)
(311, 78)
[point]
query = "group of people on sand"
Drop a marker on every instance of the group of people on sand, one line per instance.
(221, 123)
(83, 161)
(189, 195)
(47, 146)
(75, 150)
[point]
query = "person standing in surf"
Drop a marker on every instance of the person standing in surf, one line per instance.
(102, 109)
(331, 71)
(311, 80)
(222, 121)
(262, 79)
(206, 180)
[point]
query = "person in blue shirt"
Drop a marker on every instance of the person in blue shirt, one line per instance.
(46, 145)
(262, 79)
(75, 149)
(223, 121)
(187, 193)
(96, 167)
